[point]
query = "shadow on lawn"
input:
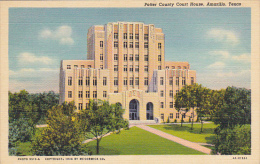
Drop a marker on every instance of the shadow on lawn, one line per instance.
(103, 151)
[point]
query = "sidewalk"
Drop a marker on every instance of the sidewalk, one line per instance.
(181, 141)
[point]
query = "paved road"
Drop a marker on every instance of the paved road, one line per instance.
(176, 139)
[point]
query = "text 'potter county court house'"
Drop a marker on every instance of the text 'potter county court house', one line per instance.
(126, 64)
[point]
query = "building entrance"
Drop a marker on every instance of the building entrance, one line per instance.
(134, 110)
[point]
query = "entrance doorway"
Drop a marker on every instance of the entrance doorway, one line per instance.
(149, 111)
(134, 110)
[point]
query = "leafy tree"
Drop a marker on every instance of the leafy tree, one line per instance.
(236, 108)
(236, 141)
(62, 136)
(102, 118)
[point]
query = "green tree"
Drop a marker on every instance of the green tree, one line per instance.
(62, 136)
(102, 118)
(236, 141)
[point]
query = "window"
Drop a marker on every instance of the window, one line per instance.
(94, 94)
(136, 57)
(101, 56)
(69, 80)
(115, 35)
(115, 67)
(171, 93)
(171, 115)
(87, 80)
(94, 81)
(131, 58)
(75, 66)
(170, 80)
(125, 35)
(137, 81)
(177, 115)
(184, 67)
(159, 45)
(173, 67)
(137, 68)
(160, 58)
(136, 36)
(80, 81)
(131, 68)
(161, 104)
(80, 106)
(125, 80)
(82, 66)
(184, 115)
(136, 44)
(125, 68)
(69, 94)
(183, 81)
(115, 91)
(104, 81)
(167, 67)
(80, 94)
(104, 93)
(125, 44)
(125, 57)
(146, 68)
(115, 44)
(87, 105)
(192, 80)
(68, 66)
(131, 45)
(145, 36)
(131, 81)
(145, 57)
(161, 80)
(159, 67)
(101, 66)
(177, 81)
(162, 116)
(115, 81)
(115, 56)
(171, 105)
(89, 66)
(179, 67)
(101, 44)
(146, 81)
(131, 36)
(145, 44)
(161, 93)
(87, 94)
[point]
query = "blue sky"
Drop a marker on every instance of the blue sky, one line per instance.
(215, 41)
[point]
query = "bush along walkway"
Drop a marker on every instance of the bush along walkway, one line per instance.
(181, 141)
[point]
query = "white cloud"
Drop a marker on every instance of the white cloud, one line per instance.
(27, 57)
(246, 58)
(221, 54)
(217, 65)
(61, 34)
(221, 35)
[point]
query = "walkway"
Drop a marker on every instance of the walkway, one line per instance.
(181, 141)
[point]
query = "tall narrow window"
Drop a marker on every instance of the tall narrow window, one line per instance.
(192, 80)
(145, 57)
(167, 67)
(125, 68)
(104, 93)
(104, 81)
(82, 66)
(145, 36)
(161, 93)
(80, 94)
(87, 94)
(115, 81)
(131, 45)
(159, 45)
(136, 44)
(159, 57)
(137, 68)
(69, 80)
(161, 80)
(68, 66)
(80, 106)
(115, 67)
(94, 94)
(177, 81)
(171, 104)
(131, 81)
(171, 93)
(137, 81)
(145, 44)
(87, 81)
(115, 44)
(131, 68)
(146, 81)
(101, 44)
(101, 66)
(101, 56)
(69, 94)
(115, 35)
(125, 35)
(162, 116)
(170, 80)
(159, 67)
(131, 58)
(171, 115)
(115, 57)
(125, 44)
(80, 81)
(94, 81)
(136, 36)
(146, 68)
(125, 80)
(136, 57)
(177, 115)
(183, 81)
(75, 66)
(161, 104)
(125, 57)
(131, 36)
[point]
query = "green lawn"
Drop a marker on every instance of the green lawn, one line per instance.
(24, 149)
(184, 132)
(139, 142)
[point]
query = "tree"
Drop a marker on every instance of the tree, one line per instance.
(62, 136)
(102, 118)
(236, 141)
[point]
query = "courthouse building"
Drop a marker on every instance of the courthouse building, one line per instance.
(126, 64)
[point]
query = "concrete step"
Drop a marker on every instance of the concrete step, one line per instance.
(141, 122)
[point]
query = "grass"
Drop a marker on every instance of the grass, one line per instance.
(186, 133)
(24, 149)
(139, 142)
